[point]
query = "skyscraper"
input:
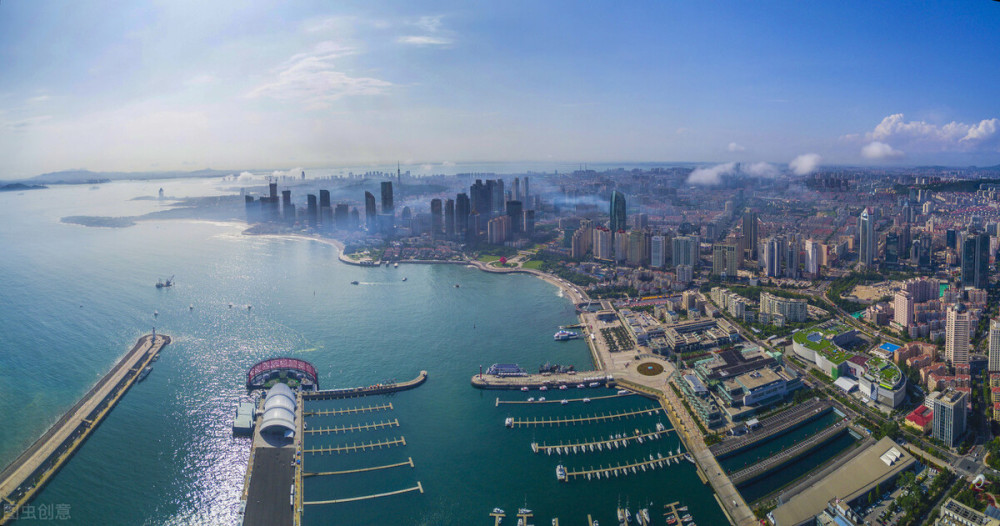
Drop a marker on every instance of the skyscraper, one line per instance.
(773, 252)
(525, 195)
(724, 260)
(618, 212)
(515, 190)
(462, 210)
(371, 213)
(949, 415)
(685, 250)
(387, 206)
(867, 243)
(437, 218)
(658, 253)
(994, 355)
(750, 233)
(516, 214)
(975, 260)
(956, 345)
(312, 210)
(903, 308)
(529, 223)
(449, 218)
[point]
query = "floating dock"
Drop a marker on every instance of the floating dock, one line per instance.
(596, 445)
(550, 381)
(353, 410)
(23, 478)
(519, 422)
(621, 470)
(352, 428)
(391, 442)
(419, 487)
(409, 462)
(559, 401)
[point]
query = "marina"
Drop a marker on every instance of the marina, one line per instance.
(401, 441)
(349, 411)
(352, 428)
(409, 462)
(559, 401)
(623, 469)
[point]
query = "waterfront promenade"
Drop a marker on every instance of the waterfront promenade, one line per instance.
(24, 477)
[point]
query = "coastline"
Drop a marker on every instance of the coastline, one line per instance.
(573, 292)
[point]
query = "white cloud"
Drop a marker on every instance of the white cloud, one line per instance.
(313, 79)
(805, 164)
(245, 177)
(925, 137)
(711, 175)
(879, 151)
(431, 24)
(292, 172)
(733, 147)
(762, 170)
(416, 40)
(40, 98)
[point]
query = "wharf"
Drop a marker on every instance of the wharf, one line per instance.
(772, 426)
(600, 445)
(518, 422)
(775, 461)
(559, 401)
(624, 469)
(23, 478)
(353, 410)
(351, 392)
(534, 381)
(352, 428)
(401, 441)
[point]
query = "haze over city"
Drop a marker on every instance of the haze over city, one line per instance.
(183, 86)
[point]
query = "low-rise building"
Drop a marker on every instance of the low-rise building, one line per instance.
(920, 419)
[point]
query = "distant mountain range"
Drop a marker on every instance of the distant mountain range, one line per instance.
(86, 176)
(15, 187)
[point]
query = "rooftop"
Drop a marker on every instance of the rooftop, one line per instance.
(921, 416)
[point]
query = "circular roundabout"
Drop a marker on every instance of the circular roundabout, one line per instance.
(649, 368)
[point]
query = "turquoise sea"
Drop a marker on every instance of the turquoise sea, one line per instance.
(74, 299)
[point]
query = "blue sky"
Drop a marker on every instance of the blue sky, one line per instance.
(139, 86)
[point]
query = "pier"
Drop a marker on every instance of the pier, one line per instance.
(336, 412)
(352, 428)
(775, 461)
(419, 487)
(624, 469)
(23, 478)
(772, 426)
(409, 462)
(377, 389)
(517, 422)
(559, 401)
(550, 381)
(401, 441)
(598, 445)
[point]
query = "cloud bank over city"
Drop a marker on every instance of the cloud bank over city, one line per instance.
(321, 85)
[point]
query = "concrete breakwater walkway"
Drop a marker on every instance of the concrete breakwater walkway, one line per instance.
(24, 477)
(331, 394)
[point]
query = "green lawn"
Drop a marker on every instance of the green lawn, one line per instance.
(533, 264)
(488, 258)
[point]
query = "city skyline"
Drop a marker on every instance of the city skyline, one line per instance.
(153, 87)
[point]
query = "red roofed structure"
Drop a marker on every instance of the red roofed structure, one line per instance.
(920, 419)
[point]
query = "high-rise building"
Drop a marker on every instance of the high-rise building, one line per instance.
(603, 249)
(793, 310)
(498, 230)
(387, 205)
(638, 248)
(956, 343)
(684, 273)
(975, 260)
(529, 223)
(657, 252)
(371, 213)
(724, 260)
(903, 308)
(324, 199)
(312, 210)
(618, 212)
(949, 415)
(773, 252)
(582, 240)
(515, 190)
(994, 354)
(516, 214)
(750, 234)
(951, 238)
(812, 250)
(449, 218)
(437, 218)
(479, 198)
(793, 259)
(642, 221)
(287, 208)
(462, 209)
(867, 242)
(685, 250)
(341, 216)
